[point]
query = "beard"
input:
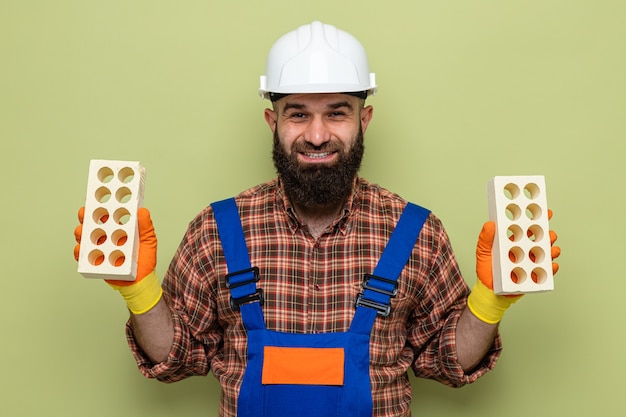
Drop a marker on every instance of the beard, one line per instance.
(318, 185)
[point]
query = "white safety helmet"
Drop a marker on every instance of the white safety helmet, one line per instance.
(317, 58)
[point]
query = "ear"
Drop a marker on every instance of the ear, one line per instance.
(366, 116)
(270, 119)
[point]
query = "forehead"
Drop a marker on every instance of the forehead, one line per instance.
(317, 101)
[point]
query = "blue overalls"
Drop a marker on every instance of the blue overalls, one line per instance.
(331, 373)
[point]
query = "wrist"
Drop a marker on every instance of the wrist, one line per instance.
(141, 296)
(487, 306)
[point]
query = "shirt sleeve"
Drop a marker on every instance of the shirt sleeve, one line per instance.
(189, 294)
(433, 330)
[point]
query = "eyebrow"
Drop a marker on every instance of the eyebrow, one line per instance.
(296, 106)
(340, 104)
(332, 106)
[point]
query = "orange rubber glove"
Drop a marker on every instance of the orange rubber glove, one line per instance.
(482, 301)
(145, 291)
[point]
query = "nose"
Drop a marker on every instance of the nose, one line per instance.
(317, 132)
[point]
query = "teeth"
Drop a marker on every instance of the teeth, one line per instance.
(317, 155)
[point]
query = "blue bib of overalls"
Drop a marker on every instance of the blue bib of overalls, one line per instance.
(310, 375)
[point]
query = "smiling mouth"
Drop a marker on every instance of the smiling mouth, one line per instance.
(317, 155)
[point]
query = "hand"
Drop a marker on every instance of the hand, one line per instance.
(141, 294)
(146, 258)
(484, 270)
(483, 254)
(482, 302)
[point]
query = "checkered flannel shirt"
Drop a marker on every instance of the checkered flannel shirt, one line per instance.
(310, 286)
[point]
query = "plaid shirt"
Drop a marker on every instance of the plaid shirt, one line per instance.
(310, 286)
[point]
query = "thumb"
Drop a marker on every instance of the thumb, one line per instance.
(147, 236)
(485, 239)
(146, 261)
(483, 254)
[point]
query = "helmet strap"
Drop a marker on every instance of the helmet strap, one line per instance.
(359, 94)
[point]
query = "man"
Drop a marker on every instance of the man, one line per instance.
(314, 293)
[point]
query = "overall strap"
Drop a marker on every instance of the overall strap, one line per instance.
(382, 284)
(242, 277)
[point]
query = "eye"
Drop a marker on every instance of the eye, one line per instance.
(340, 111)
(296, 115)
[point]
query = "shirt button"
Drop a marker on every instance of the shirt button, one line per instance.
(317, 287)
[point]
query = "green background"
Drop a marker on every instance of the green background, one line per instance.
(468, 90)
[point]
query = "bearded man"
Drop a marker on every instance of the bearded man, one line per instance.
(314, 293)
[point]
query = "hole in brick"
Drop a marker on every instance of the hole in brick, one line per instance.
(513, 212)
(126, 175)
(539, 275)
(518, 275)
(534, 233)
(533, 212)
(105, 174)
(117, 258)
(100, 215)
(123, 195)
(536, 254)
(531, 191)
(121, 216)
(511, 191)
(119, 237)
(103, 194)
(98, 237)
(96, 257)
(516, 254)
(514, 233)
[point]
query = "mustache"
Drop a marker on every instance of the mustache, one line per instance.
(304, 146)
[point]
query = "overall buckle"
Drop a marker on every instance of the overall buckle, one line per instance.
(255, 277)
(391, 293)
(382, 309)
(250, 298)
(256, 296)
